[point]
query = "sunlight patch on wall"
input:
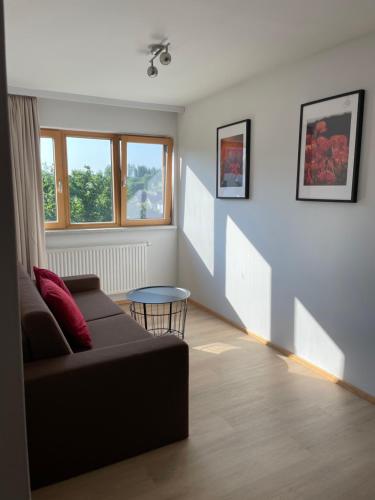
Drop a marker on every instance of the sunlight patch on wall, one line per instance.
(199, 216)
(248, 281)
(314, 344)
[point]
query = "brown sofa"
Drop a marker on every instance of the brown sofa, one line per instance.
(126, 395)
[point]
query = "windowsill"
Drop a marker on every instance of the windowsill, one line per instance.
(110, 229)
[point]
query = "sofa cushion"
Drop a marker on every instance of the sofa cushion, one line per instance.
(41, 273)
(66, 312)
(94, 304)
(42, 336)
(119, 329)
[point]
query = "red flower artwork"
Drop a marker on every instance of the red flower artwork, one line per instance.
(231, 163)
(326, 153)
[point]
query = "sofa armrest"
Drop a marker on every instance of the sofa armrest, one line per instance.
(82, 283)
(89, 409)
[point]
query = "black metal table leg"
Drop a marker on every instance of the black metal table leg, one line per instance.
(170, 317)
(145, 315)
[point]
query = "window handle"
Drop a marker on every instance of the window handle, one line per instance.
(124, 182)
(59, 186)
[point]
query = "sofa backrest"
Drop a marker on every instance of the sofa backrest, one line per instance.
(41, 335)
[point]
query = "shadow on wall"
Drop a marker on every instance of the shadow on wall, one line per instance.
(243, 268)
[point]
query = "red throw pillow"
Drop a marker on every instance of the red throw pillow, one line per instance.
(46, 273)
(66, 313)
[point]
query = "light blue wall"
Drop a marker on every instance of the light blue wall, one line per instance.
(301, 274)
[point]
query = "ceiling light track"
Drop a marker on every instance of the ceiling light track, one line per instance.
(162, 50)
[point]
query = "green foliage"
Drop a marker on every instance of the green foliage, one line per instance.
(91, 195)
(48, 178)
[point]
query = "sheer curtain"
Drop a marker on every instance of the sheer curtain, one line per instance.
(27, 180)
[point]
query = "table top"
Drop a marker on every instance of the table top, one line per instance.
(158, 294)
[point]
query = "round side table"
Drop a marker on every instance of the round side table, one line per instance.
(161, 310)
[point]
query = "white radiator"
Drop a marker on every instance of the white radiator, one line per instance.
(120, 267)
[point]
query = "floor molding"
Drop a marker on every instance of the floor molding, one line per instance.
(294, 357)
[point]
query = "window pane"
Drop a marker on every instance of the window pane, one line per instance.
(47, 155)
(145, 180)
(90, 179)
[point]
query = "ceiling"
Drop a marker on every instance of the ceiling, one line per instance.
(98, 48)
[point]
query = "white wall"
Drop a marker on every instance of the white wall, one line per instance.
(102, 118)
(301, 274)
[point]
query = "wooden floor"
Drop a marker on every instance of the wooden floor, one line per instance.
(261, 427)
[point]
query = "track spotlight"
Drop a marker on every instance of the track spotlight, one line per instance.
(162, 50)
(152, 71)
(165, 57)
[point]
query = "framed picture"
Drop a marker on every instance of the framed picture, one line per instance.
(233, 160)
(329, 148)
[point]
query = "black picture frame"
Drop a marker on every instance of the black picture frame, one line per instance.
(246, 168)
(353, 188)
